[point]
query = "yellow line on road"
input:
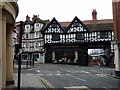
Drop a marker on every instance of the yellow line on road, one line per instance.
(47, 83)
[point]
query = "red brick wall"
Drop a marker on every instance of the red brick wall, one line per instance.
(116, 19)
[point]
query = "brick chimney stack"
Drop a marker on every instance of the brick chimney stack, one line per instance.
(94, 15)
(27, 17)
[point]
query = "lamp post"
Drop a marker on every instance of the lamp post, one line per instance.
(20, 51)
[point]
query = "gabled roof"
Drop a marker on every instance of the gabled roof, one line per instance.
(53, 21)
(78, 23)
(28, 22)
(99, 25)
(40, 21)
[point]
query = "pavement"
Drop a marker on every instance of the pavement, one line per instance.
(31, 81)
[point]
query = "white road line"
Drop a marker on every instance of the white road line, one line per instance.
(58, 72)
(84, 71)
(77, 77)
(67, 71)
(101, 75)
(38, 71)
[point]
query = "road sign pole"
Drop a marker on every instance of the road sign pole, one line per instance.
(20, 49)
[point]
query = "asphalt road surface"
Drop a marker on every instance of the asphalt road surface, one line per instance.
(72, 76)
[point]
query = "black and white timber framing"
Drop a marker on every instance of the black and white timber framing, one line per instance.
(73, 42)
(76, 32)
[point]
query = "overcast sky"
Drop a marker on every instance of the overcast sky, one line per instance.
(64, 10)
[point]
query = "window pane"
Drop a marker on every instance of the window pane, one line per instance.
(55, 37)
(27, 26)
(80, 36)
(37, 25)
(103, 35)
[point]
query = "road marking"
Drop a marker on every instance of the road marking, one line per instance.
(84, 71)
(67, 71)
(38, 71)
(101, 75)
(46, 82)
(58, 74)
(77, 77)
(80, 87)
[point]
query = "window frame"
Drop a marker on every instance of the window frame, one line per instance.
(35, 25)
(35, 45)
(56, 37)
(80, 36)
(37, 34)
(27, 46)
(26, 29)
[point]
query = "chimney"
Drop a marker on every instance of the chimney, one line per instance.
(94, 15)
(27, 17)
(34, 18)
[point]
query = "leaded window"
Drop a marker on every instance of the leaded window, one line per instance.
(55, 37)
(37, 45)
(80, 36)
(37, 35)
(27, 35)
(37, 25)
(27, 28)
(76, 24)
(27, 46)
(103, 34)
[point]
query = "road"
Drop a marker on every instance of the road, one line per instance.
(72, 76)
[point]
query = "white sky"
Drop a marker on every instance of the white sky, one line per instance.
(64, 10)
